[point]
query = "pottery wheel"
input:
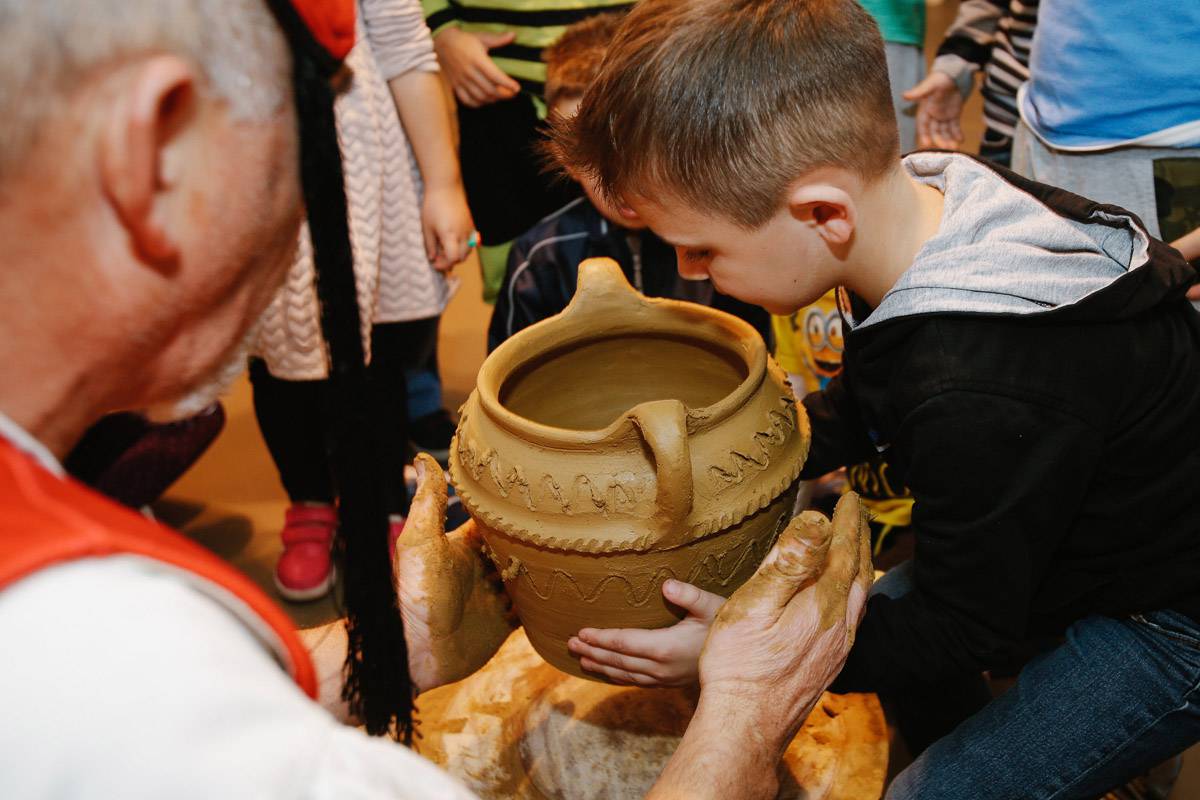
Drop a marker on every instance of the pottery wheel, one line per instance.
(520, 729)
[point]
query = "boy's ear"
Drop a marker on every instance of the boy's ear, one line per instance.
(827, 208)
(143, 122)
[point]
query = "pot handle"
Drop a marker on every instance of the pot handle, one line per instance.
(663, 426)
(602, 294)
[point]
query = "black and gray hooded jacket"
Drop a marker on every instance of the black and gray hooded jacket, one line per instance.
(1034, 378)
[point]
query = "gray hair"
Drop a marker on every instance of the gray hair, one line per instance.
(50, 46)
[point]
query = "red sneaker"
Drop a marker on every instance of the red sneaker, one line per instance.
(304, 570)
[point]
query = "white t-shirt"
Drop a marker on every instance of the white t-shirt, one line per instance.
(120, 680)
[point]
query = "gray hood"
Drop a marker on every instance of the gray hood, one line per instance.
(1000, 250)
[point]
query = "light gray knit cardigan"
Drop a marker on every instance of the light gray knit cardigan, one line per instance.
(396, 282)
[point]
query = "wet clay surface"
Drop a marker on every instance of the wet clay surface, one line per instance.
(556, 594)
(621, 443)
(589, 386)
(518, 729)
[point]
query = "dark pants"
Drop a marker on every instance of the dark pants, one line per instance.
(293, 415)
(1115, 698)
(507, 187)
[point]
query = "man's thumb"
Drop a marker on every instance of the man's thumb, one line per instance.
(797, 558)
(427, 515)
(493, 40)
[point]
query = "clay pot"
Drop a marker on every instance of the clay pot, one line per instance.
(620, 443)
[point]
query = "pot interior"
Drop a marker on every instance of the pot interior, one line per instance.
(587, 385)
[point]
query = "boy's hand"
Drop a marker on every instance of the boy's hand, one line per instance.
(465, 62)
(662, 657)
(447, 226)
(939, 107)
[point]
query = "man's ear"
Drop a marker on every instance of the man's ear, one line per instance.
(827, 208)
(144, 119)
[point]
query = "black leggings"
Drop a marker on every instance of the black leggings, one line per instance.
(293, 415)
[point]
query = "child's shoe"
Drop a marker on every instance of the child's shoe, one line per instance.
(305, 569)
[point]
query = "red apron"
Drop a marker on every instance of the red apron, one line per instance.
(47, 520)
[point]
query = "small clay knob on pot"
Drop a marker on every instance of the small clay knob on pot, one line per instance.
(663, 426)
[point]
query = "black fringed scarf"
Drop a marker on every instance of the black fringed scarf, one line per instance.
(377, 684)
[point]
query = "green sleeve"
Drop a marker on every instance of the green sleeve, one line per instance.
(439, 14)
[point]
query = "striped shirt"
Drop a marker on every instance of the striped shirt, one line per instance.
(536, 23)
(995, 36)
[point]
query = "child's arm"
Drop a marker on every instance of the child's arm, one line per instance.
(839, 436)
(470, 71)
(1189, 245)
(998, 483)
(964, 51)
(476, 79)
(445, 216)
(401, 45)
(517, 303)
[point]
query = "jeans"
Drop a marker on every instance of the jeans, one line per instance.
(424, 392)
(1117, 697)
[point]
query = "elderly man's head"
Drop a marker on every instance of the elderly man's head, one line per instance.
(149, 197)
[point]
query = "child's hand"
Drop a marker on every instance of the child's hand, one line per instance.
(1189, 245)
(447, 225)
(939, 107)
(465, 62)
(663, 657)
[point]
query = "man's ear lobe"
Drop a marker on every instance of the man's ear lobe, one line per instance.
(144, 119)
(827, 208)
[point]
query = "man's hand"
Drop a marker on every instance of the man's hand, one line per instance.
(465, 62)
(447, 225)
(662, 657)
(773, 648)
(939, 108)
(786, 633)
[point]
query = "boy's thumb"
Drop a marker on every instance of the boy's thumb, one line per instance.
(493, 40)
(692, 599)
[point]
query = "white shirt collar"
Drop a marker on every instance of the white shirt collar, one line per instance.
(21, 439)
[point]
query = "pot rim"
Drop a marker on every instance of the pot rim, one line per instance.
(657, 316)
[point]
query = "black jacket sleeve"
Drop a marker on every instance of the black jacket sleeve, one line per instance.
(537, 284)
(997, 482)
(838, 436)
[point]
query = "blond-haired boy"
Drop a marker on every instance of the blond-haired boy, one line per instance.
(1022, 357)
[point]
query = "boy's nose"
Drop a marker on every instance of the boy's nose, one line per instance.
(690, 270)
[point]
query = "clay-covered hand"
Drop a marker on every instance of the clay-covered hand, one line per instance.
(663, 657)
(455, 611)
(784, 635)
(447, 225)
(939, 109)
(465, 63)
